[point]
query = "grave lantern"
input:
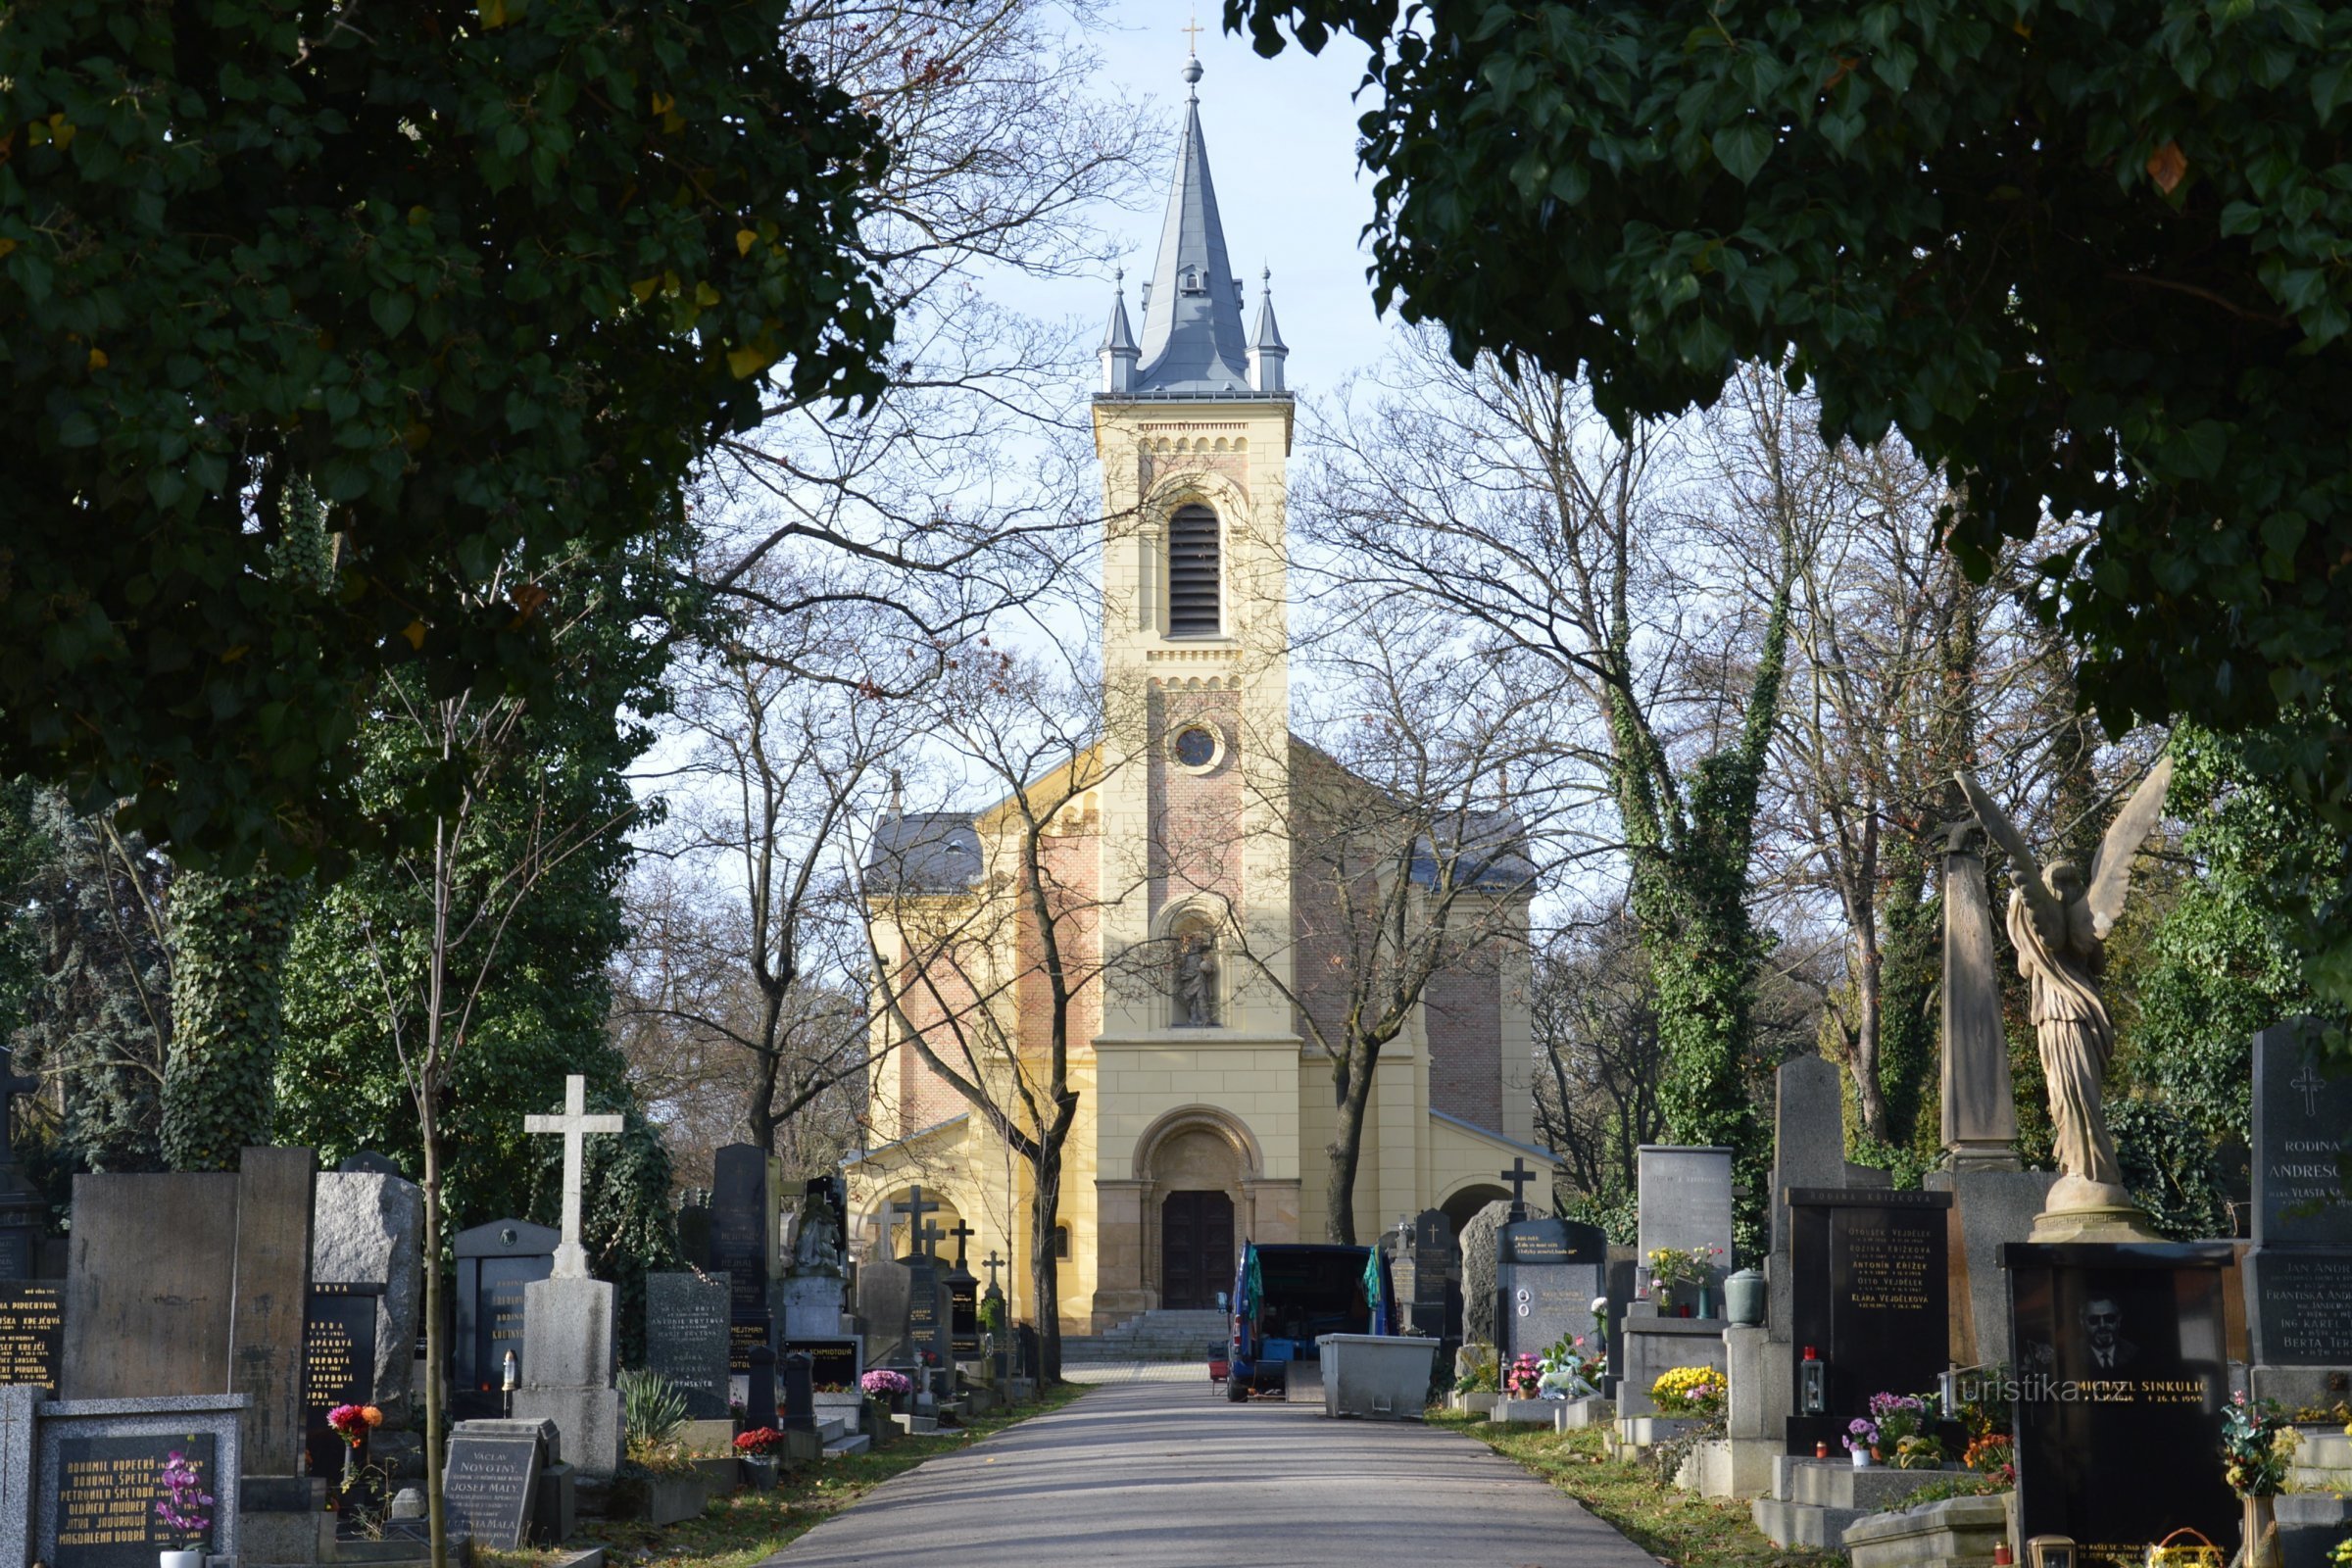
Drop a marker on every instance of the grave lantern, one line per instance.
(2050, 1551)
(1812, 1384)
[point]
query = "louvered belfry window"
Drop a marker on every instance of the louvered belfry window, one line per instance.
(1192, 575)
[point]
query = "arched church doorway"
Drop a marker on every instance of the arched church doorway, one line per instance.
(1196, 1249)
(1464, 1204)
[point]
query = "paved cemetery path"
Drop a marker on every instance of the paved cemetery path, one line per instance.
(1168, 1475)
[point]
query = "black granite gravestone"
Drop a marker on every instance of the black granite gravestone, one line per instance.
(1433, 1306)
(687, 1338)
(1872, 1292)
(2299, 1272)
(759, 1383)
(799, 1403)
(1546, 1273)
(743, 1244)
(832, 1363)
(929, 1316)
(963, 1313)
(32, 1319)
(106, 1492)
(495, 1261)
(2122, 1377)
(338, 1367)
(486, 1486)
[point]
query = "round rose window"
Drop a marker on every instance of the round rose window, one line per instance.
(1195, 746)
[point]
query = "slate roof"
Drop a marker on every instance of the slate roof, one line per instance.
(1486, 850)
(923, 852)
(1192, 345)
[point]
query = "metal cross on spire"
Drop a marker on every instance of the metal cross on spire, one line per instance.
(574, 1124)
(1193, 28)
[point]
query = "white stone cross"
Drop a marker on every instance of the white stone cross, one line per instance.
(571, 1259)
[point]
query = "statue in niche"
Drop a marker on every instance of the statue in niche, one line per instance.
(1195, 979)
(2058, 921)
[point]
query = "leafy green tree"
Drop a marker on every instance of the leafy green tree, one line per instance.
(483, 275)
(2084, 254)
(446, 987)
(93, 1016)
(2223, 962)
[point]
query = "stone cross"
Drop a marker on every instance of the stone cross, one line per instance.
(927, 1239)
(912, 1210)
(992, 1262)
(963, 1233)
(1518, 1176)
(12, 1084)
(571, 1259)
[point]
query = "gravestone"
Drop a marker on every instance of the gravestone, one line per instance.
(368, 1228)
(339, 1362)
(1429, 1294)
(1685, 1201)
(487, 1487)
(32, 1319)
(150, 1285)
(1871, 1294)
(686, 1338)
(2299, 1275)
(743, 1242)
(963, 1313)
(2122, 1378)
(1547, 1271)
(495, 1263)
(885, 1298)
(97, 1487)
(1978, 1100)
(571, 1322)
(928, 1315)
(834, 1364)
(1482, 1239)
(277, 1194)
(18, 1457)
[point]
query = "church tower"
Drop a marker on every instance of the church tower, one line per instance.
(1193, 427)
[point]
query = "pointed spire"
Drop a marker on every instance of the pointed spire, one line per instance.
(1267, 351)
(1192, 342)
(1119, 353)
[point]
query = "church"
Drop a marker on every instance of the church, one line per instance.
(1204, 1106)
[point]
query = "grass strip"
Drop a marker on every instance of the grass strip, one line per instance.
(1675, 1526)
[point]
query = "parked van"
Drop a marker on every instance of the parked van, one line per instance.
(1286, 1295)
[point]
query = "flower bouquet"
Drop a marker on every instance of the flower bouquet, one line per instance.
(1523, 1379)
(1672, 1269)
(884, 1384)
(1904, 1440)
(185, 1507)
(352, 1423)
(758, 1443)
(1993, 1454)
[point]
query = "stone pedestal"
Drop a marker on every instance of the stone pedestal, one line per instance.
(568, 1331)
(809, 1305)
(1990, 1208)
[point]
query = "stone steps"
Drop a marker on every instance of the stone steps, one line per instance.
(1813, 1501)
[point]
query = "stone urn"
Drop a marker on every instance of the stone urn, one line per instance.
(1744, 1297)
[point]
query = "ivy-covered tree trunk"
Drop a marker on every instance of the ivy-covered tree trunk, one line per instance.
(229, 935)
(1689, 894)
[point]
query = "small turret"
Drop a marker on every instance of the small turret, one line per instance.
(1119, 353)
(1266, 348)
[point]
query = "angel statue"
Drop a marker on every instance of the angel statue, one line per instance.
(2059, 922)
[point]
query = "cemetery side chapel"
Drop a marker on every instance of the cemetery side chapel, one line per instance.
(1204, 1112)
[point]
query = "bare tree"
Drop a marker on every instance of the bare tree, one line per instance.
(988, 957)
(948, 496)
(759, 934)
(1594, 1014)
(1411, 852)
(1660, 605)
